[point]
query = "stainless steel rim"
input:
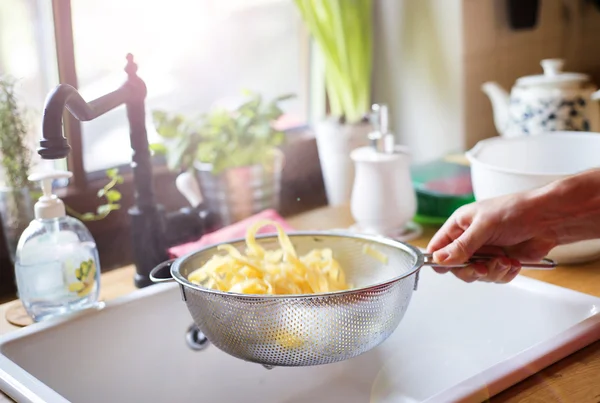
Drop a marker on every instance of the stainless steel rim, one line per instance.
(420, 260)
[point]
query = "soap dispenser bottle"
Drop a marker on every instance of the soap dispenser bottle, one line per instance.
(56, 265)
(383, 200)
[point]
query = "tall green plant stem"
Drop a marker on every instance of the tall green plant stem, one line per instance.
(343, 32)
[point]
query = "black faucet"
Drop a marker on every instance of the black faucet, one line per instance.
(153, 231)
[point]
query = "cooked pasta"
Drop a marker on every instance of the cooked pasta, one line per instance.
(276, 272)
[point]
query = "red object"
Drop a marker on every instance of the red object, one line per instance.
(457, 186)
(237, 230)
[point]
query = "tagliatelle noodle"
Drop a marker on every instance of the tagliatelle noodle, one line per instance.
(277, 272)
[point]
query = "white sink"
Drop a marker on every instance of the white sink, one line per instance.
(457, 341)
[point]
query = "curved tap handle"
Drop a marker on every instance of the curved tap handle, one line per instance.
(53, 144)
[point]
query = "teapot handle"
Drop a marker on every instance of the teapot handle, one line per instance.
(187, 185)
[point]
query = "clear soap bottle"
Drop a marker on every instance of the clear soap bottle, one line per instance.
(56, 265)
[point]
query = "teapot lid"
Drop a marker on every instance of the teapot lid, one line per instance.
(553, 75)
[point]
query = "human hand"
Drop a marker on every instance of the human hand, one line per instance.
(508, 227)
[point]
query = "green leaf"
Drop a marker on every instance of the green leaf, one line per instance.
(87, 216)
(158, 148)
(250, 108)
(159, 116)
(278, 138)
(274, 112)
(113, 196)
(111, 173)
(205, 152)
(176, 156)
(220, 119)
(104, 209)
(167, 126)
(284, 97)
(221, 137)
(219, 166)
(101, 192)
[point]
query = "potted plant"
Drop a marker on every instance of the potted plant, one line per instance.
(233, 155)
(16, 208)
(342, 30)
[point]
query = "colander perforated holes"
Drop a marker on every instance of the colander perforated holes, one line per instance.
(311, 330)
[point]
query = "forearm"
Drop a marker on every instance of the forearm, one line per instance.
(570, 207)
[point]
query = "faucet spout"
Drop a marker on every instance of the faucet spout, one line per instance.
(53, 144)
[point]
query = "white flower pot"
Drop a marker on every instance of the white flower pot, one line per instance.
(335, 142)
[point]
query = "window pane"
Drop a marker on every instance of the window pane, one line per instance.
(28, 55)
(191, 54)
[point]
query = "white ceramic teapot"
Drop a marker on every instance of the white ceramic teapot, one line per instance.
(553, 101)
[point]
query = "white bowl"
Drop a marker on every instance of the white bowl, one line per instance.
(502, 166)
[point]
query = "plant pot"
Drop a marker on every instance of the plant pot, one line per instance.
(241, 192)
(16, 212)
(335, 142)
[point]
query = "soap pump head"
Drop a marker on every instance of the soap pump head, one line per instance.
(49, 205)
(381, 139)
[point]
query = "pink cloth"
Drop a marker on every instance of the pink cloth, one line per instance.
(237, 230)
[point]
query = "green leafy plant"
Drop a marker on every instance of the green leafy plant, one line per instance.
(109, 193)
(16, 156)
(15, 160)
(343, 31)
(222, 138)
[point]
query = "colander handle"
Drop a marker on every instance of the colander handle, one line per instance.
(543, 264)
(155, 274)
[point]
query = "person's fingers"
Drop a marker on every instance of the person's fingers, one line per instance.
(463, 247)
(501, 270)
(448, 232)
(485, 271)
(498, 268)
(532, 250)
(512, 272)
(471, 273)
(444, 236)
(491, 250)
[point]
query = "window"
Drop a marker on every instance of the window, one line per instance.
(27, 54)
(191, 54)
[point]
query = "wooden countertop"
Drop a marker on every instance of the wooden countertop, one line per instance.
(575, 379)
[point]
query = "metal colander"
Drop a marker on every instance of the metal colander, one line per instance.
(299, 330)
